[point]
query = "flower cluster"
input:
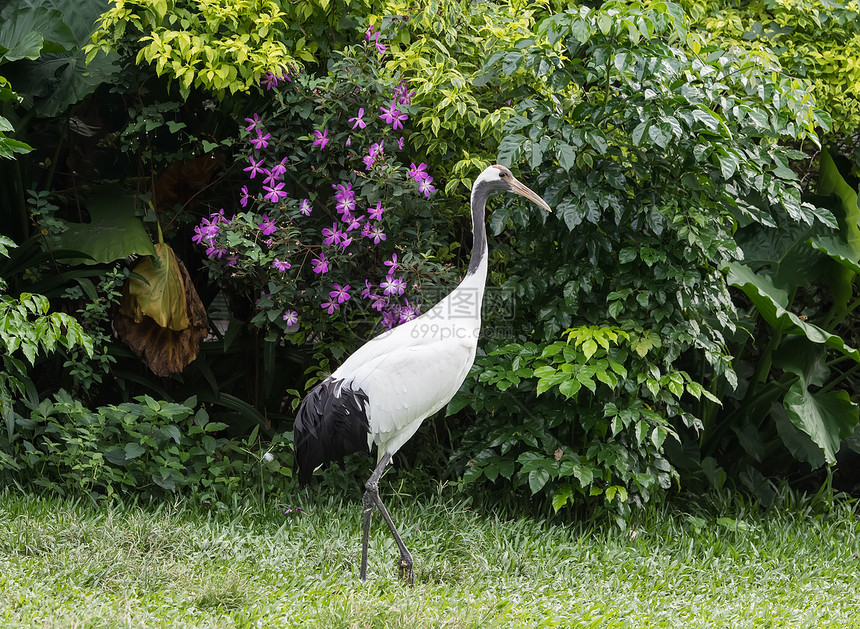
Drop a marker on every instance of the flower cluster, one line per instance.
(206, 234)
(302, 256)
(393, 312)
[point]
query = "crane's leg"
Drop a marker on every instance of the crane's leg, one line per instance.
(371, 500)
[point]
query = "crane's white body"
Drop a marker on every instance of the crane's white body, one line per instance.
(412, 371)
(392, 383)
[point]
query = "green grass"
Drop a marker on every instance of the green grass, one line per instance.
(64, 563)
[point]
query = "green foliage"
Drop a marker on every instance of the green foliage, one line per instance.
(653, 147)
(812, 39)
(610, 445)
(9, 146)
(113, 232)
(134, 447)
(442, 48)
(798, 347)
(42, 41)
(99, 302)
(28, 328)
(221, 48)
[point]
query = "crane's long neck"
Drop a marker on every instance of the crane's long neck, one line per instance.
(478, 263)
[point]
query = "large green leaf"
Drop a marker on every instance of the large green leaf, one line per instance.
(784, 251)
(51, 65)
(56, 81)
(771, 302)
(79, 15)
(831, 182)
(796, 441)
(28, 32)
(826, 417)
(838, 249)
(114, 232)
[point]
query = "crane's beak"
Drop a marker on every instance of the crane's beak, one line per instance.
(524, 191)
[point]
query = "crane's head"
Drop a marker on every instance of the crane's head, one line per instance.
(497, 178)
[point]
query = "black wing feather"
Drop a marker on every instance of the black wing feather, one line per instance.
(331, 423)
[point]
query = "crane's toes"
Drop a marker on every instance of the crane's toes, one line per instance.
(405, 572)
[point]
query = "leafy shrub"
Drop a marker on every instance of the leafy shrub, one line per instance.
(814, 40)
(652, 147)
(136, 446)
(27, 327)
(223, 48)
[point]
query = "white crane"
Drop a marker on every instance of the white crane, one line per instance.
(382, 392)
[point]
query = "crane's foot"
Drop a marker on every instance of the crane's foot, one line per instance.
(405, 572)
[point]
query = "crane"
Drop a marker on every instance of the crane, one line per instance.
(384, 391)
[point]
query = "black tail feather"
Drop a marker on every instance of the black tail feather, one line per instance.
(332, 422)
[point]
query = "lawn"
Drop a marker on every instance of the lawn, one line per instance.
(65, 563)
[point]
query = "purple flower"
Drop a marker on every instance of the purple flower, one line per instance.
(380, 48)
(393, 116)
(369, 161)
(320, 264)
(400, 143)
(215, 252)
(369, 32)
(305, 207)
(281, 265)
(269, 80)
(391, 264)
(352, 222)
(200, 234)
(268, 226)
(255, 167)
(274, 193)
(393, 285)
(330, 306)
(376, 213)
(407, 312)
(341, 293)
(403, 95)
(280, 169)
(376, 149)
(261, 141)
(357, 121)
(271, 177)
(321, 138)
(333, 236)
(207, 230)
(378, 302)
(343, 191)
(365, 292)
(376, 234)
(253, 122)
(389, 319)
(425, 186)
(346, 242)
(243, 200)
(291, 317)
(417, 172)
(345, 206)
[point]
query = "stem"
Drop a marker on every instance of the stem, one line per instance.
(748, 407)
